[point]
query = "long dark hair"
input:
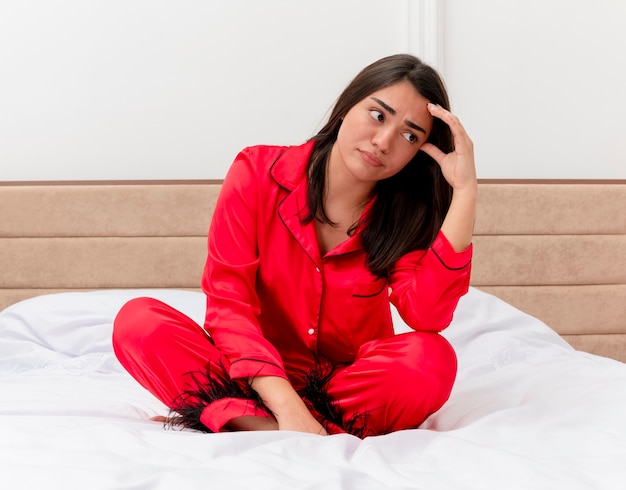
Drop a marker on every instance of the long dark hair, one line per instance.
(411, 205)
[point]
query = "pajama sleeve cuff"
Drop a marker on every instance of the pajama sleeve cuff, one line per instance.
(450, 258)
(252, 368)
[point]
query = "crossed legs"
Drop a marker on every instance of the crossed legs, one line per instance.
(393, 384)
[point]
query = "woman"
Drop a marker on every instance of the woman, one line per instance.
(307, 247)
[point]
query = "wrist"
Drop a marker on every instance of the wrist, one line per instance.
(469, 189)
(277, 394)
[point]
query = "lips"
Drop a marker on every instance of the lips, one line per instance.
(371, 159)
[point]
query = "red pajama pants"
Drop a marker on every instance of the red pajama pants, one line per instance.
(394, 383)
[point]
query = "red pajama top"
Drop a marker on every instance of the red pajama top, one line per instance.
(275, 305)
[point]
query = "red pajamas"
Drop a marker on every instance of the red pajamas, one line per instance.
(275, 307)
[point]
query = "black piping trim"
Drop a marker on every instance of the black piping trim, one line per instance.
(372, 295)
(272, 168)
(291, 233)
(255, 360)
(446, 265)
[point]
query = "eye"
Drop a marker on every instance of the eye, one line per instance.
(410, 137)
(376, 114)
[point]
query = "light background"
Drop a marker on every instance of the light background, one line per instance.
(149, 89)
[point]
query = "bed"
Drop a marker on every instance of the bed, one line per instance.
(539, 400)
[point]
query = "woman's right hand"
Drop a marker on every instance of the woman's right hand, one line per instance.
(459, 169)
(298, 418)
(289, 409)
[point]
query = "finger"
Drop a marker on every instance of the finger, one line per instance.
(433, 152)
(453, 122)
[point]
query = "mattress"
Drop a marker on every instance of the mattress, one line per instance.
(527, 411)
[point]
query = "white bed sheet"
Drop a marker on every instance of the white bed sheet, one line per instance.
(526, 412)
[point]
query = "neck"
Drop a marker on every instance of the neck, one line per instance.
(343, 191)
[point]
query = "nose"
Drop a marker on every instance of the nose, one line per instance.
(382, 139)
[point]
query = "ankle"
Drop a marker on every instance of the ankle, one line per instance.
(252, 422)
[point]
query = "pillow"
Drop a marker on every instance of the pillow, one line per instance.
(73, 329)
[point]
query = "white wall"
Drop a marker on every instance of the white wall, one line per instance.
(148, 89)
(145, 89)
(541, 85)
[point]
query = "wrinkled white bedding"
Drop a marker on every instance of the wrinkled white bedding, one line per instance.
(527, 412)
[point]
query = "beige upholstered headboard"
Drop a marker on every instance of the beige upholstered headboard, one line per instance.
(555, 249)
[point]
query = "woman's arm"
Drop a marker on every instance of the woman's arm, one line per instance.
(233, 305)
(427, 284)
(286, 405)
(459, 170)
(230, 274)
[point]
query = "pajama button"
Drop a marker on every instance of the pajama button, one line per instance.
(311, 331)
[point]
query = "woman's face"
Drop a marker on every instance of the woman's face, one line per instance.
(382, 133)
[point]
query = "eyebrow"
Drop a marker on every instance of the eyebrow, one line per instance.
(392, 111)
